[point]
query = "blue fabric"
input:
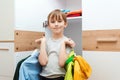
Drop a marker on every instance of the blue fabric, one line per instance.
(65, 10)
(30, 68)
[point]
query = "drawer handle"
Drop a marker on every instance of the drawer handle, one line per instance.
(4, 49)
(109, 40)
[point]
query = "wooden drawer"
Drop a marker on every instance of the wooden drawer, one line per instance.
(101, 40)
(6, 59)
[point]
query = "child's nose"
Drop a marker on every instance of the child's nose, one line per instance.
(56, 23)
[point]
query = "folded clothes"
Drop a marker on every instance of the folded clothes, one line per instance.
(75, 12)
(74, 15)
(65, 10)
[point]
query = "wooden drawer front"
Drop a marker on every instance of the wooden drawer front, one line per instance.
(101, 40)
(25, 40)
(6, 59)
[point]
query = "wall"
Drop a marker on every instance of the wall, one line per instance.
(29, 14)
(73, 5)
(101, 14)
(6, 19)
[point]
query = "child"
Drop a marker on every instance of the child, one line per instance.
(54, 50)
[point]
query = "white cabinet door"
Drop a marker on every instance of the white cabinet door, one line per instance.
(5, 78)
(105, 65)
(6, 59)
(6, 20)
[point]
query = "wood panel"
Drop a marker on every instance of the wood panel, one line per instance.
(4, 41)
(101, 40)
(25, 40)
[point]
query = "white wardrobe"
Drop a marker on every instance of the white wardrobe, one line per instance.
(102, 15)
(29, 15)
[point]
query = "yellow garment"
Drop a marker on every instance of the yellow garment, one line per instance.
(82, 69)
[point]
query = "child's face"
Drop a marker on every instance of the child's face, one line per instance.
(57, 26)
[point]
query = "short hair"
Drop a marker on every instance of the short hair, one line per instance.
(57, 15)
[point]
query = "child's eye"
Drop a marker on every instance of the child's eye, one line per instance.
(59, 21)
(52, 21)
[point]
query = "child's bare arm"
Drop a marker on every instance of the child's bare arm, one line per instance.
(63, 55)
(43, 58)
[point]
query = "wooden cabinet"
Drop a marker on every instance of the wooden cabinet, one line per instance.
(6, 39)
(6, 60)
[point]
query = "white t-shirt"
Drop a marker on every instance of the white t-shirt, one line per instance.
(52, 69)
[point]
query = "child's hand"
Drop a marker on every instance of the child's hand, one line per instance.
(43, 39)
(38, 41)
(70, 43)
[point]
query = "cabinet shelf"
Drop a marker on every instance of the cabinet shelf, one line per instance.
(69, 18)
(75, 19)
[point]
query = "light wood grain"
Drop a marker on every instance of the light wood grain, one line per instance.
(101, 40)
(25, 40)
(107, 40)
(4, 49)
(2, 41)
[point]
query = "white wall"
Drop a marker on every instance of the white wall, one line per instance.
(73, 4)
(6, 19)
(29, 14)
(101, 14)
